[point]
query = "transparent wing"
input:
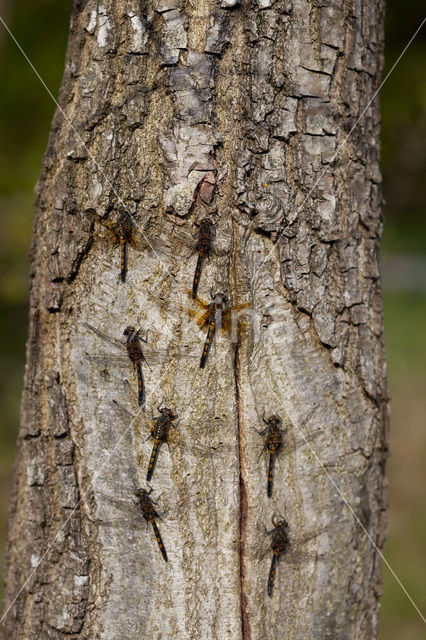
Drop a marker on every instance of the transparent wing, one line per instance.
(175, 440)
(108, 362)
(151, 356)
(298, 551)
(118, 344)
(288, 447)
(112, 231)
(129, 512)
(301, 442)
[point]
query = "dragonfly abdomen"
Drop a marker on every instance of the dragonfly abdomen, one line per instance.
(159, 540)
(123, 258)
(197, 273)
(207, 344)
(153, 459)
(141, 386)
(270, 473)
(272, 573)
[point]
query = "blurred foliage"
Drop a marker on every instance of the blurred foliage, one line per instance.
(41, 27)
(403, 99)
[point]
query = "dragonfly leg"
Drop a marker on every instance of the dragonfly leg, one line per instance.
(145, 340)
(265, 446)
(261, 433)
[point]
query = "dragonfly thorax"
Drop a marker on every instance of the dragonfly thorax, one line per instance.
(125, 225)
(131, 333)
(280, 540)
(219, 299)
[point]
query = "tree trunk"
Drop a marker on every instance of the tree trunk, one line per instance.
(235, 107)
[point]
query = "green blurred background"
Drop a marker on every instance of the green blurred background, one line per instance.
(41, 27)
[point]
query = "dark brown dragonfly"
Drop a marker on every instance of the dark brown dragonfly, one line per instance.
(205, 236)
(142, 506)
(146, 505)
(272, 444)
(279, 545)
(287, 548)
(161, 433)
(276, 442)
(215, 315)
(135, 504)
(129, 349)
(123, 234)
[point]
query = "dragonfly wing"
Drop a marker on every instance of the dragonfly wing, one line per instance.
(126, 505)
(123, 410)
(103, 336)
(304, 441)
(240, 307)
(109, 361)
(191, 312)
(199, 449)
(230, 316)
(169, 354)
(201, 303)
(131, 522)
(112, 230)
(201, 318)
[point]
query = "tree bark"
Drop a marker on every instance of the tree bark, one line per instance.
(170, 98)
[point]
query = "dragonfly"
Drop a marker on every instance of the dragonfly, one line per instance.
(287, 548)
(273, 443)
(204, 244)
(279, 545)
(217, 314)
(144, 505)
(122, 232)
(131, 345)
(160, 431)
(137, 503)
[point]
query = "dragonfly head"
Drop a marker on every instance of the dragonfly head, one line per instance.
(139, 492)
(206, 223)
(124, 215)
(167, 412)
(274, 420)
(281, 523)
(219, 297)
(129, 332)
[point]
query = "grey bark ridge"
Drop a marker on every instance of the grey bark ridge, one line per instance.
(241, 106)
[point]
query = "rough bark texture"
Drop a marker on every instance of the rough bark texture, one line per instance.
(170, 97)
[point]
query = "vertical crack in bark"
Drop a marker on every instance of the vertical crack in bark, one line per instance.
(245, 620)
(245, 623)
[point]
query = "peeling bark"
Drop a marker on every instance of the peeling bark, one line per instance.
(235, 108)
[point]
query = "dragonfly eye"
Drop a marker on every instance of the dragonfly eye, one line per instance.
(220, 298)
